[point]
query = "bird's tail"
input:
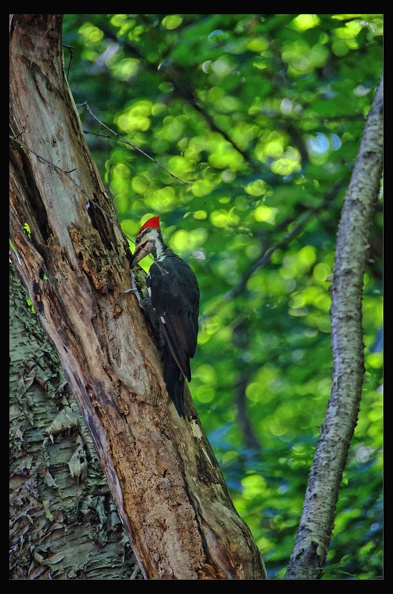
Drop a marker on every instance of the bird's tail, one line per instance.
(174, 381)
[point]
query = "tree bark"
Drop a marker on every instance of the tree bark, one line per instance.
(310, 550)
(63, 521)
(71, 254)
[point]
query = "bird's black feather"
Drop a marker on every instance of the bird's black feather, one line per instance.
(174, 298)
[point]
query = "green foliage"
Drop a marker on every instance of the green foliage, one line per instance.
(261, 116)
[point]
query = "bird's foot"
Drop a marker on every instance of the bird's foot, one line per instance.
(134, 289)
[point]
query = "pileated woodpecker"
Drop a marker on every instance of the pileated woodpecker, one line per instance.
(171, 302)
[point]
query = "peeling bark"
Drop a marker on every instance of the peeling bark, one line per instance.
(168, 488)
(316, 525)
(63, 521)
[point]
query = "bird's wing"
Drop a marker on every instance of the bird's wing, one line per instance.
(175, 299)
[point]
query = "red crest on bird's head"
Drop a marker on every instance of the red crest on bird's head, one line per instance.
(153, 223)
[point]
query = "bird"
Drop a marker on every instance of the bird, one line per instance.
(171, 303)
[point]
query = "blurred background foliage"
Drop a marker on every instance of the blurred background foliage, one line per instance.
(260, 116)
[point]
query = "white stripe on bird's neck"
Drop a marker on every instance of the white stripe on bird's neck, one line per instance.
(159, 244)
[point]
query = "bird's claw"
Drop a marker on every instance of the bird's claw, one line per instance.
(133, 289)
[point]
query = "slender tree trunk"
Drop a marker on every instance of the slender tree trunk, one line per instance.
(70, 252)
(316, 525)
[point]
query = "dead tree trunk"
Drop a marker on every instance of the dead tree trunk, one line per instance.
(70, 253)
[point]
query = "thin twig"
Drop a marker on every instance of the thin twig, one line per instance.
(70, 48)
(136, 148)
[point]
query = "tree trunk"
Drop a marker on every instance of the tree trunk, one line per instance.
(70, 252)
(309, 554)
(63, 521)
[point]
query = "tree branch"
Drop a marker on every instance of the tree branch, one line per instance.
(295, 229)
(183, 90)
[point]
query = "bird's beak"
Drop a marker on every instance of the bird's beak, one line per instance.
(139, 254)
